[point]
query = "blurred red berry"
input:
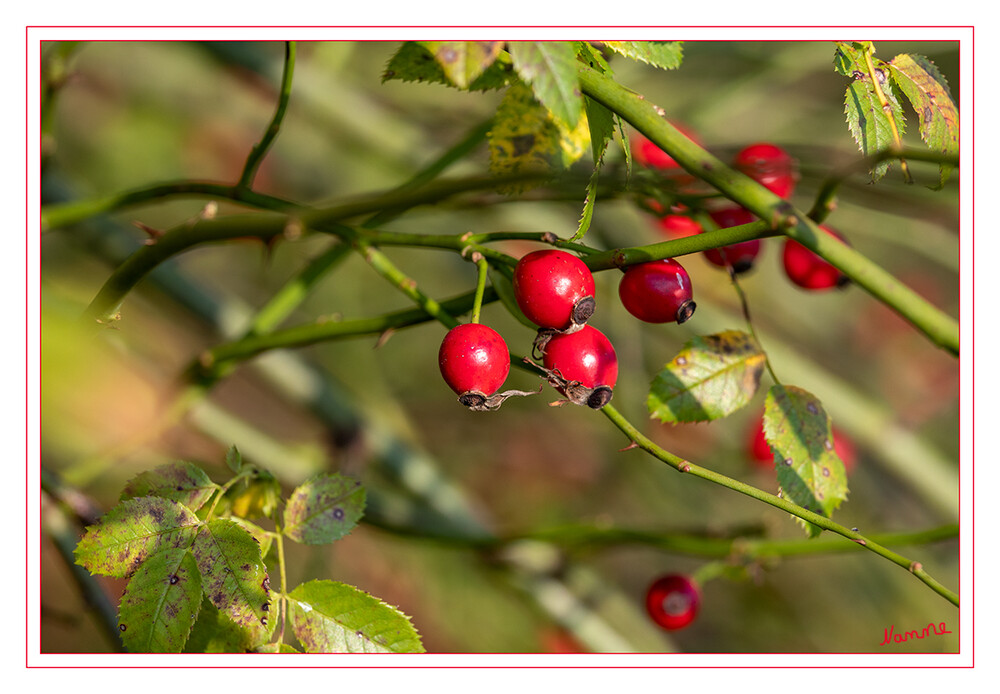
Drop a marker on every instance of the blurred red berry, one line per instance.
(769, 165)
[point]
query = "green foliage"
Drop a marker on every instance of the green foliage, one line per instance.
(161, 603)
(335, 617)
(711, 377)
(413, 62)
(926, 88)
(809, 470)
(874, 114)
(463, 61)
(324, 509)
(202, 585)
(549, 68)
(662, 54)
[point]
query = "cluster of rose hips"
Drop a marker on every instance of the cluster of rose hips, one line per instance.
(555, 290)
(773, 168)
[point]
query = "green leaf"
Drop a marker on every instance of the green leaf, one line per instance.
(927, 90)
(463, 61)
(810, 472)
(331, 617)
(264, 539)
(324, 509)
(849, 59)
(214, 632)
(869, 124)
(185, 483)
(414, 63)
(525, 138)
(234, 461)
(233, 574)
(132, 531)
(549, 67)
(277, 648)
(505, 290)
(711, 377)
(602, 128)
(160, 603)
(661, 54)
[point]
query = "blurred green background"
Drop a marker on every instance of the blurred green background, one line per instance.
(128, 114)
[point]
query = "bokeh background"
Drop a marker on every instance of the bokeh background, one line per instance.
(128, 114)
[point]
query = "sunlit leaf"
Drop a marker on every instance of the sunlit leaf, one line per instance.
(810, 472)
(132, 531)
(414, 63)
(160, 603)
(525, 138)
(233, 574)
(463, 61)
(926, 88)
(215, 632)
(324, 509)
(183, 482)
(331, 617)
(711, 377)
(661, 54)
(550, 68)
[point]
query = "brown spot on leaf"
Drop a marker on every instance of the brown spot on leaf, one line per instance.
(522, 144)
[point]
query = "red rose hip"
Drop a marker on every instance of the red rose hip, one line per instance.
(769, 165)
(657, 292)
(582, 366)
(474, 362)
(808, 270)
(672, 601)
(740, 255)
(676, 226)
(554, 289)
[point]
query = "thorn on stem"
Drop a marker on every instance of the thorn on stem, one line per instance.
(384, 337)
(915, 567)
(154, 234)
(631, 446)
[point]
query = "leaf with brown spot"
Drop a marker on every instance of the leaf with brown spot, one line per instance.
(463, 61)
(331, 617)
(161, 603)
(184, 482)
(926, 88)
(132, 531)
(710, 378)
(222, 549)
(810, 472)
(324, 509)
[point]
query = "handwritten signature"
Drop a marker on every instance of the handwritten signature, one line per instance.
(935, 629)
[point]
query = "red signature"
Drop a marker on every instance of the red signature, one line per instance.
(935, 629)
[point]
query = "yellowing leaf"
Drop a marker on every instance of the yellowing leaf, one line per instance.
(711, 377)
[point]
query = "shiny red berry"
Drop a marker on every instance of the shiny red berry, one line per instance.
(582, 366)
(677, 226)
(769, 165)
(740, 255)
(673, 601)
(554, 289)
(474, 362)
(650, 155)
(808, 270)
(657, 292)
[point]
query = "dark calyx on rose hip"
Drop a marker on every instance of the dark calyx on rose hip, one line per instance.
(657, 292)
(474, 362)
(581, 365)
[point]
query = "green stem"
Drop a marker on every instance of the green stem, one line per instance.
(823, 522)
(322, 331)
(477, 304)
(779, 214)
(385, 267)
(259, 151)
(58, 215)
